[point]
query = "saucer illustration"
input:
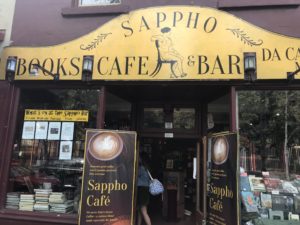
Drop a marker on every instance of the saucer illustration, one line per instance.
(105, 146)
(220, 151)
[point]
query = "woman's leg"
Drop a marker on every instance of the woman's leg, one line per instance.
(139, 219)
(145, 215)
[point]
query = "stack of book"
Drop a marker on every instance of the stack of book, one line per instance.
(12, 200)
(57, 197)
(42, 200)
(59, 203)
(66, 207)
(26, 202)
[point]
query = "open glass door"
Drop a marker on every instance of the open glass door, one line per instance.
(201, 182)
(215, 118)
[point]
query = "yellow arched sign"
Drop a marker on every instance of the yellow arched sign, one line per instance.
(164, 43)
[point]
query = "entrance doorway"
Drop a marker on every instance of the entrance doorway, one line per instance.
(171, 162)
(170, 120)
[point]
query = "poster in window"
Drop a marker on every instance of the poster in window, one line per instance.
(54, 131)
(67, 131)
(28, 130)
(41, 130)
(65, 150)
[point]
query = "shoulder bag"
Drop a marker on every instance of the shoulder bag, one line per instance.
(155, 187)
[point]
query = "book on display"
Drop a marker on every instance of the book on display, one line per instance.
(266, 200)
(244, 183)
(249, 201)
(257, 183)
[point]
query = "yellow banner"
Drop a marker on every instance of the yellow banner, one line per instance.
(57, 115)
(164, 43)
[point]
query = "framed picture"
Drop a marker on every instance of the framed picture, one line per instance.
(54, 131)
(65, 150)
(41, 129)
(28, 130)
(67, 131)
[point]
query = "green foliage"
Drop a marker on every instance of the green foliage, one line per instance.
(262, 120)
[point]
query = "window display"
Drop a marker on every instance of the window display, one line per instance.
(269, 123)
(47, 161)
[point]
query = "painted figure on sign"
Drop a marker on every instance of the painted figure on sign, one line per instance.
(167, 54)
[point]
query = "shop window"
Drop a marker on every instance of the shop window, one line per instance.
(218, 115)
(98, 2)
(95, 7)
(47, 159)
(269, 125)
(171, 118)
(153, 118)
(184, 118)
(117, 114)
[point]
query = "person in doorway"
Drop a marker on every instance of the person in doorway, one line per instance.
(143, 195)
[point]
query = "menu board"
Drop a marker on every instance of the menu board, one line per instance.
(108, 186)
(222, 194)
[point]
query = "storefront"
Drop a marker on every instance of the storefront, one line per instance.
(175, 75)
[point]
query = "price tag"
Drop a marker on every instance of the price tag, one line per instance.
(275, 192)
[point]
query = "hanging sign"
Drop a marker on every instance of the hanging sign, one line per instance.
(108, 186)
(163, 43)
(57, 115)
(222, 194)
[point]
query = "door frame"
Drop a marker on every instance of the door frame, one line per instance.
(201, 203)
(200, 132)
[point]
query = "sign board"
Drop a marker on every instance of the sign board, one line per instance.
(164, 43)
(108, 186)
(222, 193)
(57, 115)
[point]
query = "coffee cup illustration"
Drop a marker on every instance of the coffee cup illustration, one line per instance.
(220, 151)
(105, 146)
